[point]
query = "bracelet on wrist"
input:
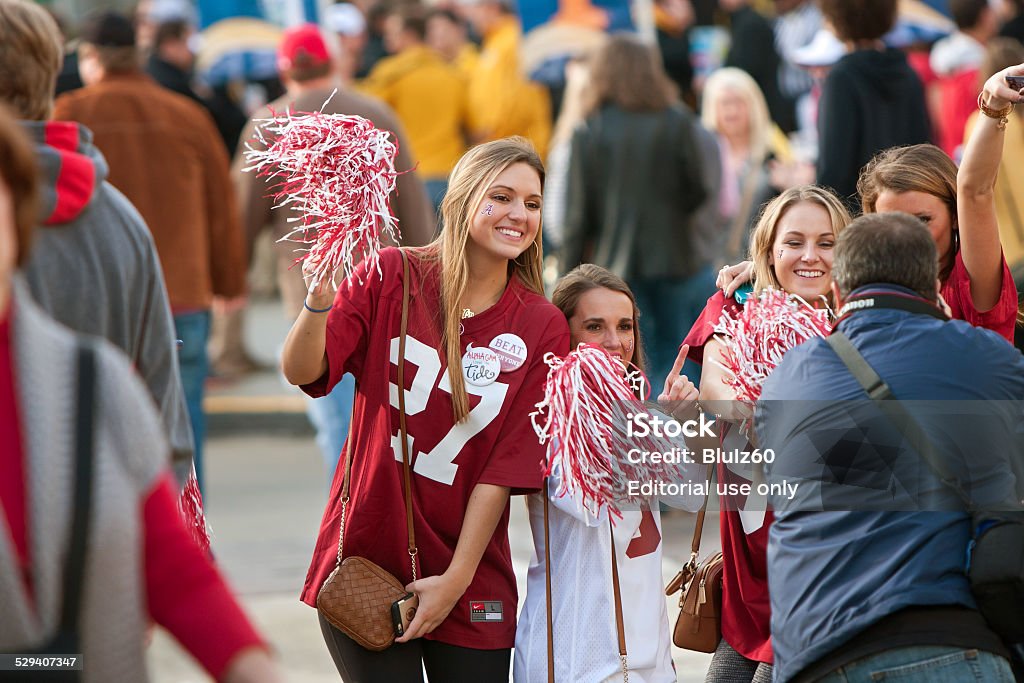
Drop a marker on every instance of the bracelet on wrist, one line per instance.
(316, 310)
(1001, 114)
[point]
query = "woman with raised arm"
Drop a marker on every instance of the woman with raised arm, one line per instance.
(478, 329)
(958, 207)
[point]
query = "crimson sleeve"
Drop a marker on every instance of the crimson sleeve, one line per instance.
(1001, 318)
(704, 327)
(351, 319)
(184, 591)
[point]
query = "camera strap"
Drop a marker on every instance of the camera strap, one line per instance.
(901, 302)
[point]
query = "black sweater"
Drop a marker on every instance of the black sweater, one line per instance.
(871, 100)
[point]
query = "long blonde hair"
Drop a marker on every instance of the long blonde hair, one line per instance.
(763, 239)
(468, 184)
(736, 80)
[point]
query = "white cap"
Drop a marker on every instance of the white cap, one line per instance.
(345, 19)
(160, 11)
(823, 50)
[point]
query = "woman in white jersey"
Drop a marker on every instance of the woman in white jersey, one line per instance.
(601, 310)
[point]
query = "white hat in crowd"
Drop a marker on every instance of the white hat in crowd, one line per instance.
(345, 18)
(823, 50)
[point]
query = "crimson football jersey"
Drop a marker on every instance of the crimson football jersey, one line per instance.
(746, 613)
(495, 444)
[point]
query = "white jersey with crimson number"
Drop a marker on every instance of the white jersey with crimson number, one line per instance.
(585, 635)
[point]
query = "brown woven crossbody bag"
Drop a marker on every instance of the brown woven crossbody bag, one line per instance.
(357, 597)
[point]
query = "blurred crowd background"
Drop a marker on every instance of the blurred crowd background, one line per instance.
(665, 124)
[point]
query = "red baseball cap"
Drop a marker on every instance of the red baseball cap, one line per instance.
(302, 46)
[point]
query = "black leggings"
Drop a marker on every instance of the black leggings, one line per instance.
(405, 662)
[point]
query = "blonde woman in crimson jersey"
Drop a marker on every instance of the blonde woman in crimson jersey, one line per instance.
(470, 438)
(601, 310)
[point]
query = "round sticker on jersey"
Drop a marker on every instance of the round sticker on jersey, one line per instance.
(511, 350)
(480, 366)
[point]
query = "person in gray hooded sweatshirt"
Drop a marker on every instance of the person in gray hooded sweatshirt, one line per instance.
(94, 267)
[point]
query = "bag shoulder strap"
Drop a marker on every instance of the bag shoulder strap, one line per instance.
(880, 392)
(81, 508)
(406, 469)
(698, 527)
(874, 385)
(620, 627)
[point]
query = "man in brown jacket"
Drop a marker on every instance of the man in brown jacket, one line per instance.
(166, 157)
(310, 75)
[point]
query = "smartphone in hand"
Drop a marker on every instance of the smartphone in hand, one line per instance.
(403, 611)
(1015, 82)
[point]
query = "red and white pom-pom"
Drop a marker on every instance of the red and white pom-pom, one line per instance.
(337, 173)
(190, 505)
(756, 338)
(587, 402)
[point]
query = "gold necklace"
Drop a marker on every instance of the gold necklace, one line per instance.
(467, 313)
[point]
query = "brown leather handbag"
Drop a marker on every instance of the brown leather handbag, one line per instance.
(357, 597)
(699, 624)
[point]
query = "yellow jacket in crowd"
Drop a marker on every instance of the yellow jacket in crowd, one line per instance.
(429, 97)
(467, 60)
(502, 101)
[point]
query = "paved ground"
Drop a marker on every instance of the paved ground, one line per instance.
(266, 492)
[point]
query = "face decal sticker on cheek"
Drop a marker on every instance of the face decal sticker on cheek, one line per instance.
(488, 210)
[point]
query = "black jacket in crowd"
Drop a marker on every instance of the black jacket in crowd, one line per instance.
(871, 100)
(753, 50)
(634, 184)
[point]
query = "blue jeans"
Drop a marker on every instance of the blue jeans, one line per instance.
(330, 416)
(193, 329)
(668, 307)
(925, 664)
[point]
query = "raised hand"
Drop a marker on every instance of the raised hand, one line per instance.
(731, 278)
(319, 294)
(997, 91)
(679, 398)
